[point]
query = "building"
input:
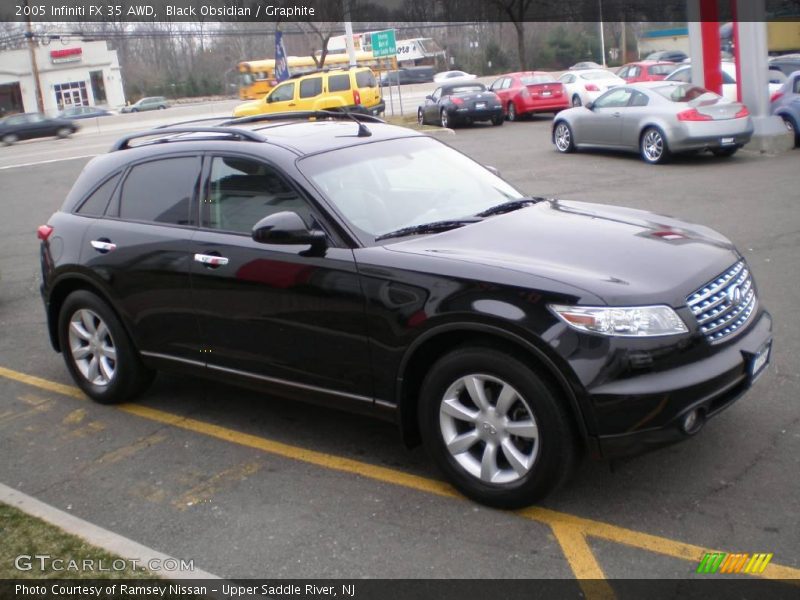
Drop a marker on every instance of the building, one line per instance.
(72, 74)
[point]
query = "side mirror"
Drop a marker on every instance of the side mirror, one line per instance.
(287, 228)
(590, 105)
(429, 97)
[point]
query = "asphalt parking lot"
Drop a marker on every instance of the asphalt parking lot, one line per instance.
(248, 485)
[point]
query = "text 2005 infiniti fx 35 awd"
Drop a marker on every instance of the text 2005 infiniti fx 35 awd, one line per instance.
(372, 268)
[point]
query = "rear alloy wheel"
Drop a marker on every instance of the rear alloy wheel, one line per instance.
(9, 139)
(64, 132)
(98, 353)
(512, 112)
(420, 117)
(445, 119)
(724, 152)
(576, 100)
(495, 428)
(562, 137)
(653, 146)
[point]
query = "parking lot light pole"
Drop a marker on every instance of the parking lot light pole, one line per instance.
(37, 84)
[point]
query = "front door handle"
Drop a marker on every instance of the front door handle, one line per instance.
(210, 260)
(103, 245)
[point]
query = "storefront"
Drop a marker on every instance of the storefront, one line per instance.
(70, 74)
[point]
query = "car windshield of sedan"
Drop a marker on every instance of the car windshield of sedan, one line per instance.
(389, 185)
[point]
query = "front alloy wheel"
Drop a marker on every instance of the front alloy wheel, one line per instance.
(653, 146)
(562, 136)
(445, 119)
(420, 117)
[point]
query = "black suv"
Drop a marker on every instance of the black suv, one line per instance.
(369, 267)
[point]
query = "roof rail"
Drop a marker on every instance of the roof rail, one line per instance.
(325, 69)
(201, 120)
(306, 114)
(242, 134)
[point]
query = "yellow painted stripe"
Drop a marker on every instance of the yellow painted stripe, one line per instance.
(606, 531)
(583, 563)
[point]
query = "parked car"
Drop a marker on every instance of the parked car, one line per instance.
(453, 77)
(26, 126)
(585, 86)
(407, 75)
(354, 90)
(581, 66)
(786, 104)
(84, 112)
(646, 70)
(460, 104)
(787, 63)
(529, 92)
(149, 103)
(675, 56)
(392, 275)
(656, 119)
(729, 86)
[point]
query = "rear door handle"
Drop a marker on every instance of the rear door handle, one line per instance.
(103, 245)
(210, 260)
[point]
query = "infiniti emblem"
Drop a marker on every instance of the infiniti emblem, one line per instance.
(734, 294)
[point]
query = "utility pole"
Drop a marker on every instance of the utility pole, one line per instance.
(37, 84)
(602, 34)
(348, 35)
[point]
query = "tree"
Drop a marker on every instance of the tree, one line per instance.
(515, 11)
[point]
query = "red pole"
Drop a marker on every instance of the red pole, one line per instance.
(709, 26)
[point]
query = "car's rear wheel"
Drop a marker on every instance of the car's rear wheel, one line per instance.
(511, 111)
(724, 152)
(562, 137)
(653, 146)
(420, 117)
(64, 132)
(9, 139)
(495, 428)
(498, 120)
(576, 100)
(792, 128)
(444, 118)
(98, 352)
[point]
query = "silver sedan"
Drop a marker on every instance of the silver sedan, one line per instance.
(656, 119)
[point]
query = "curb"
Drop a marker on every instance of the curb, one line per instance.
(97, 536)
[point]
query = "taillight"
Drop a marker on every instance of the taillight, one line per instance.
(273, 82)
(776, 96)
(590, 87)
(742, 113)
(524, 92)
(43, 232)
(457, 100)
(356, 97)
(693, 115)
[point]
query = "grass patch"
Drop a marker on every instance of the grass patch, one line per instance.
(22, 534)
(409, 121)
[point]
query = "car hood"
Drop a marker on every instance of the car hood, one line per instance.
(247, 109)
(622, 255)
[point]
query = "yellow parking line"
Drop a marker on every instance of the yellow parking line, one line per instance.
(583, 563)
(565, 523)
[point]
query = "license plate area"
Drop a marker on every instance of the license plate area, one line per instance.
(546, 93)
(759, 361)
(727, 141)
(480, 105)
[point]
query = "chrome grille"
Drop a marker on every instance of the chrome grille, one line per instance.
(725, 304)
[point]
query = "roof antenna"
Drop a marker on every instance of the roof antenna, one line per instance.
(363, 130)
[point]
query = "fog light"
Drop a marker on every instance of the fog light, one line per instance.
(693, 421)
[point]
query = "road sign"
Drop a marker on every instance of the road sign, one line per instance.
(384, 43)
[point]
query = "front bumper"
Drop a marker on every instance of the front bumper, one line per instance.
(655, 405)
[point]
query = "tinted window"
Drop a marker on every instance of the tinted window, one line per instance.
(634, 72)
(97, 202)
(661, 69)
(241, 192)
(311, 87)
(160, 191)
(796, 89)
(339, 83)
(282, 93)
(614, 99)
(639, 99)
(365, 79)
(684, 75)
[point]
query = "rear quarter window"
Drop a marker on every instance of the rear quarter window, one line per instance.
(339, 83)
(96, 203)
(365, 79)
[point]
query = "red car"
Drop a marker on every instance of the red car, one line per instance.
(529, 92)
(646, 70)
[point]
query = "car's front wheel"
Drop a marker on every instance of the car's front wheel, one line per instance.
(445, 118)
(495, 428)
(562, 137)
(792, 128)
(512, 112)
(420, 117)
(653, 146)
(498, 120)
(98, 352)
(576, 100)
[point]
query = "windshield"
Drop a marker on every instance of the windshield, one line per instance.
(385, 186)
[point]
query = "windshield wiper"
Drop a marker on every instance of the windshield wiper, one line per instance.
(509, 206)
(434, 227)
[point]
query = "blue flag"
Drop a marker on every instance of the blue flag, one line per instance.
(281, 65)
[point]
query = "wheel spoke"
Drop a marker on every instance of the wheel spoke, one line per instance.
(87, 319)
(506, 399)
(524, 429)
(93, 370)
(78, 329)
(453, 408)
(102, 331)
(517, 460)
(489, 468)
(477, 392)
(80, 352)
(462, 443)
(109, 352)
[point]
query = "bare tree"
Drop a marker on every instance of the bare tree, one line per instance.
(516, 11)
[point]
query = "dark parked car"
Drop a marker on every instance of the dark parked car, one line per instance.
(372, 268)
(407, 75)
(461, 104)
(150, 103)
(26, 126)
(84, 112)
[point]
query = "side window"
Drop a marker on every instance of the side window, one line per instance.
(496, 85)
(616, 98)
(160, 191)
(311, 87)
(727, 78)
(623, 73)
(684, 75)
(95, 205)
(242, 191)
(796, 86)
(639, 99)
(634, 71)
(339, 83)
(506, 83)
(282, 93)
(437, 94)
(365, 79)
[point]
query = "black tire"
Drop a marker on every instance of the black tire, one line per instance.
(724, 152)
(10, 138)
(653, 146)
(791, 127)
(420, 117)
(130, 377)
(162, 107)
(133, 110)
(576, 100)
(563, 139)
(444, 118)
(552, 454)
(64, 132)
(511, 111)
(498, 120)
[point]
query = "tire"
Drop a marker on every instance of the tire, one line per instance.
(89, 332)
(653, 146)
(64, 132)
(562, 138)
(544, 447)
(724, 152)
(511, 111)
(10, 138)
(420, 117)
(445, 120)
(162, 108)
(792, 128)
(134, 110)
(498, 120)
(576, 100)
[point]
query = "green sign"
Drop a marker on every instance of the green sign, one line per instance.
(384, 43)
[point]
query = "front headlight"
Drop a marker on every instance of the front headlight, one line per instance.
(634, 321)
